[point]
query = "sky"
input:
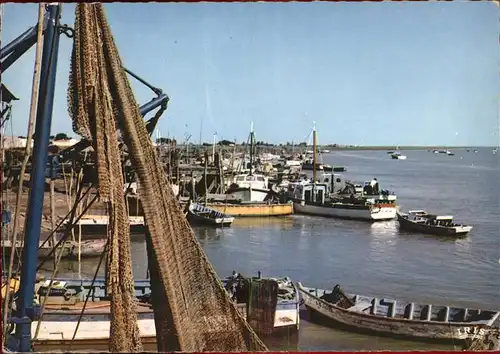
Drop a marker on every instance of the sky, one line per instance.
(367, 73)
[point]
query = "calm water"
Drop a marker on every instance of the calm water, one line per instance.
(375, 259)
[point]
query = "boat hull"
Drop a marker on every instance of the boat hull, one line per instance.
(60, 320)
(409, 225)
(254, 210)
(328, 313)
(384, 212)
(201, 215)
(252, 195)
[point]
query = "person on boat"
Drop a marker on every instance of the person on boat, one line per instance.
(374, 185)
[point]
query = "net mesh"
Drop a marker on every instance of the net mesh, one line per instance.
(193, 312)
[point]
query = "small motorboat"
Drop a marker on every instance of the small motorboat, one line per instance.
(421, 221)
(398, 318)
(397, 156)
(202, 215)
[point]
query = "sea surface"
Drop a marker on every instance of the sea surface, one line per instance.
(373, 259)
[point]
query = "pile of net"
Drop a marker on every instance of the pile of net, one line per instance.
(192, 310)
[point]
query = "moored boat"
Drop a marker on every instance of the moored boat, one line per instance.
(421, 221)
(202, 215)
(253, 209)
(397, 318)
(63, 318)
(310, 199)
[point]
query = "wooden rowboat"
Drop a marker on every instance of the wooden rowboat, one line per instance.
(394, 318)
(202, 215)
(421, 221)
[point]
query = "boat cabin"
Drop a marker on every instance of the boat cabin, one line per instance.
(445, 221)
(310, 192)
(336, 182)
(253, 181)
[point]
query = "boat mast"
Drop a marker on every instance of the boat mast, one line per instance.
(314, 152)
(213, 147)
(251, 147)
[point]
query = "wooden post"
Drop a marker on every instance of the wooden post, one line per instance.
(53, 242)
(314, 153)
(205, 177)
(193, 187)
(27, 153)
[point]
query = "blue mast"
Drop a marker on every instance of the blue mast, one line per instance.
(25, 309)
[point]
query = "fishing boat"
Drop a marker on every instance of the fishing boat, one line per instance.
(310, 199)
(250, 187)
(61, 318)
(386, 316)
(421, 221)
(313, 198)
(202, 215)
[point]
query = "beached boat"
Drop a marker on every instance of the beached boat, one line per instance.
(66, 300)
(397, 318)
(421, 221)
(202, 215)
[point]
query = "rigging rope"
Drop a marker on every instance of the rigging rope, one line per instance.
(193, 312)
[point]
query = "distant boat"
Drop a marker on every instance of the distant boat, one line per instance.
(202, 215)
(397, 318)
(397, 155)
(421, 221)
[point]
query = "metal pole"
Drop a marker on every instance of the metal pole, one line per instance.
(25, 310)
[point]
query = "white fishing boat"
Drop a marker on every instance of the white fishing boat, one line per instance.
(250, 187)
(310, 199)
(313, 198)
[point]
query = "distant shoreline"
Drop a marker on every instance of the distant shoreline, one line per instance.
(392, 148)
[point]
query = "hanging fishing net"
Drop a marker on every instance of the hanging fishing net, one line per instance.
(192, 310)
